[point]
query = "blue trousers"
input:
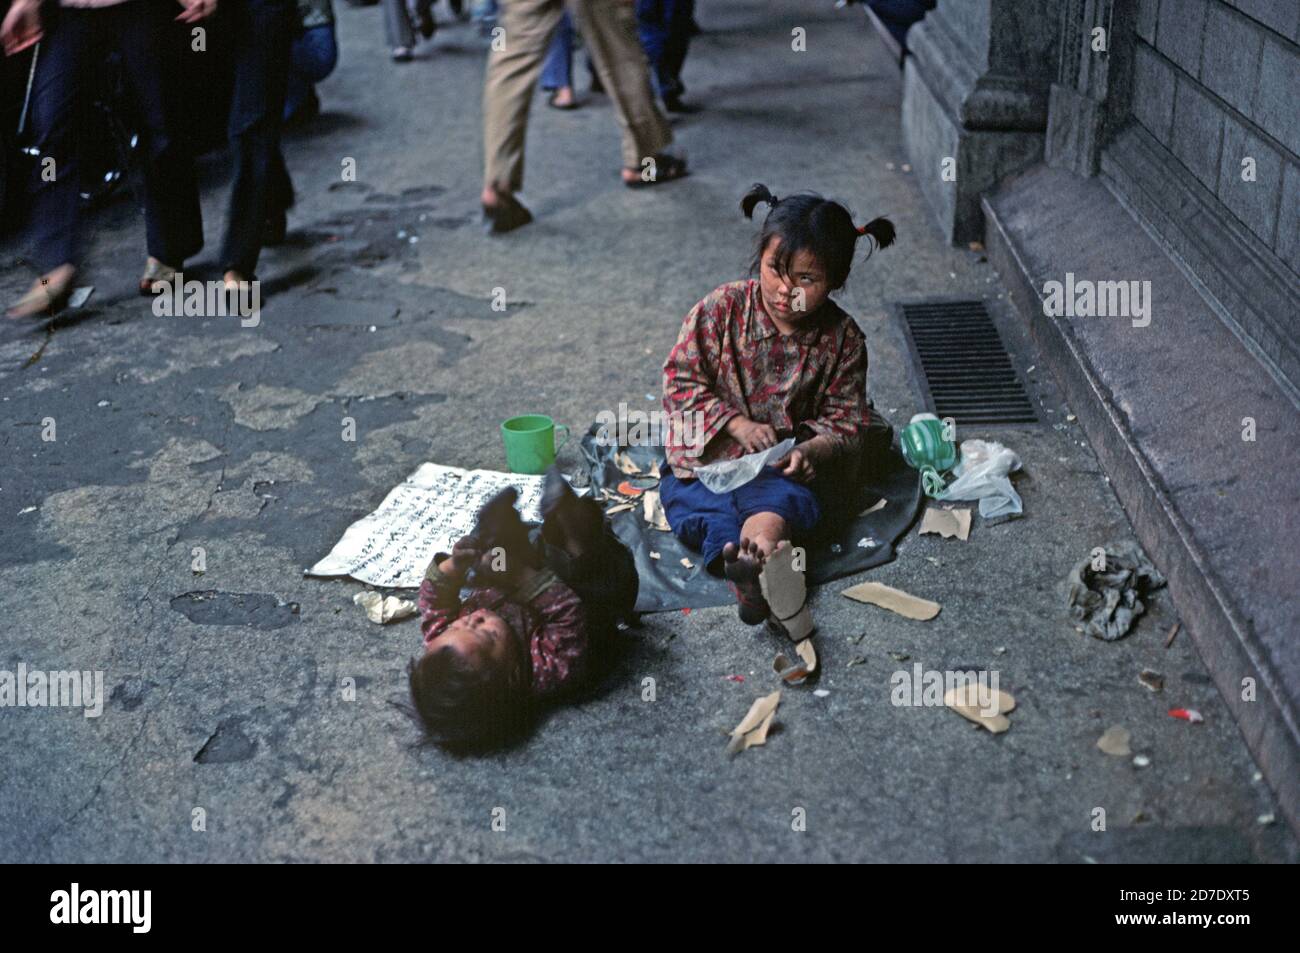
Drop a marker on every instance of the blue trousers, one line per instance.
(706, 521)
(312, 57)
(558, 69)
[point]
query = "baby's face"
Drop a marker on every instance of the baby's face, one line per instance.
(791, 297)
(480, 636)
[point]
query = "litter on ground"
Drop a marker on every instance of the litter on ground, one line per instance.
(384, 609)
(753, 728)
(986, 707)
(1107, 600)
(895, 600)
(1114, 741)
(946, 523)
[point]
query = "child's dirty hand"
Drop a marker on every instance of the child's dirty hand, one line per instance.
(464, 554)
(751, 435)
(797, 465)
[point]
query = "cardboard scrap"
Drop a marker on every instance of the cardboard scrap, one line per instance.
(1114, 741)
(946, 523)
(986, 707)
(895, 600)
(384, 609)
(687, 563)
(808, 654)
(786, 591)
(653, 510)
(792, 673)
(753, 728)
(1151, 679)
(625, 464)
(622, 507)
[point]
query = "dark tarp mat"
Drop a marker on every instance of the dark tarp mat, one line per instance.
(833, 551)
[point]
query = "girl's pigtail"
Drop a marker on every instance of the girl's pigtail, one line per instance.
(881, 231)
(758, 192)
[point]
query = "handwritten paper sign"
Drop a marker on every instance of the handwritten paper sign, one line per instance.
(421, 517)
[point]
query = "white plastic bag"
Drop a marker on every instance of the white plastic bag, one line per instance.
(727, 475)
(984, 474)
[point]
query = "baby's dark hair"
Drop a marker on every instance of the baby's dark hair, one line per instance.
(466, 708)
(807, 222)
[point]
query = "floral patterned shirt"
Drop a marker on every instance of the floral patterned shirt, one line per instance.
(730, 358)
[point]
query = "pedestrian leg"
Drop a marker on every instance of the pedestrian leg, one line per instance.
(611, 35)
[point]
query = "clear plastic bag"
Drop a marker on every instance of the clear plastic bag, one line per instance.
(727, 475)
(984, 474)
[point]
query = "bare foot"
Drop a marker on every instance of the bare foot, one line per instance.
(47, 294)
(742, 565)
(563, 98)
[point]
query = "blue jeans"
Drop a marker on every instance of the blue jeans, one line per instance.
(558, 70)
(312, 57)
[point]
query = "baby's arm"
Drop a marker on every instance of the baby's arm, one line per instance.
(440, 589)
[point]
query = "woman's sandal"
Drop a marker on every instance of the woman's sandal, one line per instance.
(42, 298)
(666, 168)
(156, 273)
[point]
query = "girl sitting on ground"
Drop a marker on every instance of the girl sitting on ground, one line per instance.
(758, 361)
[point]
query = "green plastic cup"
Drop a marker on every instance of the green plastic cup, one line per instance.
(530, 442)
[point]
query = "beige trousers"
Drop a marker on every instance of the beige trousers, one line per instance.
(608, 27)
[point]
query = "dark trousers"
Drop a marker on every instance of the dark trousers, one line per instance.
(605, 578)
(71, 61)
(261, 189)
(664, 28)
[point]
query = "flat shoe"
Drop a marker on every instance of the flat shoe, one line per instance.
(505, 216)
(156, 273)
(667, 168)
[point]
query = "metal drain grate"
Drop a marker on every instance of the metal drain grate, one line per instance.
(964, 368)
